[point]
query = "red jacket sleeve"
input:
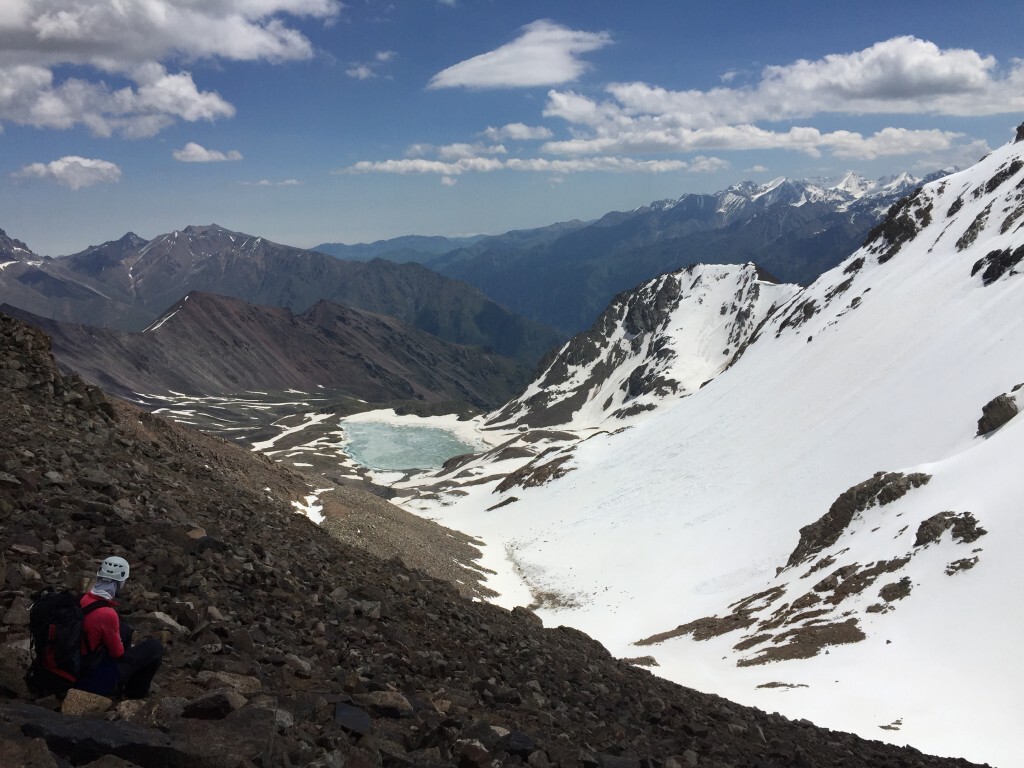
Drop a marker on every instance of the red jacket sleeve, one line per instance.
(102, 628)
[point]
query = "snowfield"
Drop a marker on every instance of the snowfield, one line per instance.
(691, 509)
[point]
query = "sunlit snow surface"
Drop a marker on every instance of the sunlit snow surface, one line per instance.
(694, 507)
(311, 506)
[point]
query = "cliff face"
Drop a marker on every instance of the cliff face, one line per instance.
(287, 647)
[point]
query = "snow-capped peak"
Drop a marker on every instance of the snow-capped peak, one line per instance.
(854, 184)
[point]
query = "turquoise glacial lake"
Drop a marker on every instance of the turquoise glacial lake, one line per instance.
(397, 447)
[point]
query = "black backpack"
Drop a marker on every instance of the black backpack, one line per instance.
(55, 622)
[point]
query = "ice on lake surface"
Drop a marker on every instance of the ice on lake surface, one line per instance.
(393, 446)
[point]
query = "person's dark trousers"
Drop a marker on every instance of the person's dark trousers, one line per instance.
(137, 667)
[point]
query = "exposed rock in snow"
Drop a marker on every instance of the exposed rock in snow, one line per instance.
(997, 412)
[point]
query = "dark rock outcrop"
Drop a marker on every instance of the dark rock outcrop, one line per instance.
(965, 528)
(996, 412)
(883, 488)
(904, 220)
(997, 263)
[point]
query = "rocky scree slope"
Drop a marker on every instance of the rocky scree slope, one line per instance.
(286, 647)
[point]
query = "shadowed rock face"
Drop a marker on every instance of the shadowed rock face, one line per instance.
(12, 249)
(302, 650)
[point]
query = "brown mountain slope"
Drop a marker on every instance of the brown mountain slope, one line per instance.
(209, 344)
(287, 647)
(137, 280)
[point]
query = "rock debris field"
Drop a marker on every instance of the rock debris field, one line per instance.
(287, 646)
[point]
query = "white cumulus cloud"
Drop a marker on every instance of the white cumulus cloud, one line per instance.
(645, 136)
(196, 153)
(637, 127)
(423, 165)
(459, 151)
(518, 132)
(370, 69)
(269, 183)
(903, 75)
(72, 171)
(29, 96)
(115, 35)
(361, 72)
(609, 164)
(133, 42)
(544, 54)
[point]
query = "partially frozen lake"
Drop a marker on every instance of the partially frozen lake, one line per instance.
(318, 432)
(384, 446)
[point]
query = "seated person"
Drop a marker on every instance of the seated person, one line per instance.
(110, 664)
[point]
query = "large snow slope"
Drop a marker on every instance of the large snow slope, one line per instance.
(883, 364)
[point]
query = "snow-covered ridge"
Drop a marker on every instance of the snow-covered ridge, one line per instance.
(748, 197)
(166, 316)
(663, 340)
(828, 504)
(841, 193)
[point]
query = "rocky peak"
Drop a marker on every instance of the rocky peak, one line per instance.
(132, 240)
(854, 184)
(208, 230)
(12, 249)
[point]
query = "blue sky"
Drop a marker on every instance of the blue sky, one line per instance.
(307, 121)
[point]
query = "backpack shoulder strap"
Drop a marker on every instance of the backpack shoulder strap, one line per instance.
(85, 612)
(93, 606)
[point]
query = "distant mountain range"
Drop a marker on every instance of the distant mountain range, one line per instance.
(127, 283)
(561, 275)
(566, 274)
(213, 345)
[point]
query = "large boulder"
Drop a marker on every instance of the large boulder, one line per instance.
(996, 412)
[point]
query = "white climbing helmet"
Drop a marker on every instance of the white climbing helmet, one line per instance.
(114, 568)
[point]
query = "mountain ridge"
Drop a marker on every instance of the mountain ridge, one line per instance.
(823, 523)
(795, 229)
(127, 283)
(211, 345)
